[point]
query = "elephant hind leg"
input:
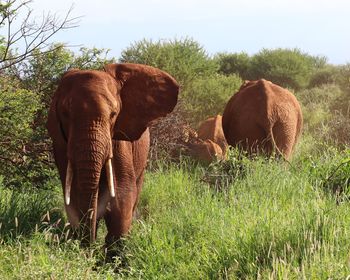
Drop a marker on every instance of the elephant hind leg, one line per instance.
(259, 141)
(284, 136)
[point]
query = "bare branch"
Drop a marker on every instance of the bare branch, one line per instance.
(31, 35)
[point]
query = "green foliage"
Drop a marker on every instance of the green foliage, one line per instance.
(343, 78)
(331, 74)
(234, 63)
(207, 96)
(271, 221)
(324, 75)
(184, 59)
(325, 112)
(329, 170)
(248, 232)
(288, 68)
(17, 113)
(285, 67)
(220, 175)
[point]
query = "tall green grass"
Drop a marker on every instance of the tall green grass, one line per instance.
(254, 219)
(273, 223)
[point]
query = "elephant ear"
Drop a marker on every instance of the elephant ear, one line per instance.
(54, 126)
(147, 93)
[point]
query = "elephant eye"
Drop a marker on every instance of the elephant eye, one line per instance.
(113, 115)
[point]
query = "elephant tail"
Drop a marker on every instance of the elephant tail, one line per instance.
(274, 145)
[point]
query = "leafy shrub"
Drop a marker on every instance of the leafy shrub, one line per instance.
(339, 132)
(326, 114)
(322, 76)
(17, 113)
(343, 77)
(234, 63)
(317, 105)
(169, 134)
(184, 59)
(208, 96)
(285, 67)
(330, 171)
(289, 68)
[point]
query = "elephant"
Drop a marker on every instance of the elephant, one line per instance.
(263, 117)
(205, 151)
(209, 143)
(98, 122)
(211, 129)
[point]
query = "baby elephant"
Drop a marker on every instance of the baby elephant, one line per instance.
(263, 117)
(210, 145)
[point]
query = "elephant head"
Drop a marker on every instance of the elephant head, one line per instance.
(89, 110)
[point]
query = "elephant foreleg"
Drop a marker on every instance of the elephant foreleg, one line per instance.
(118, 219)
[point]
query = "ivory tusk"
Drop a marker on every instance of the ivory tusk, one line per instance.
(110, 177)
(68, 185)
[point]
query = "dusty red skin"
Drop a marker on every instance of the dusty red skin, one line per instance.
(263, 117)
(97, 115)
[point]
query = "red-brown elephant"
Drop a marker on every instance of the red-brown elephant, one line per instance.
(205, 151)
(98, 124)
(263, 116)
(209, 143)
(211, 129)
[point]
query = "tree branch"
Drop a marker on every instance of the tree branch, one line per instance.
(32, 35)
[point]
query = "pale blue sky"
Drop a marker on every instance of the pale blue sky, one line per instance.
(319, 27)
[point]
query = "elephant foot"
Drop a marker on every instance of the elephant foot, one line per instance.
(115, 252)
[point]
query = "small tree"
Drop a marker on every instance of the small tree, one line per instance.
(31, 35)
(207, 96)
(17, 113)
(285, 67)
(234, 63)
(184, 59)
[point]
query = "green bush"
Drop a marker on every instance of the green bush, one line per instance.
(288, 68)
(322, 76)
(208, 96)
(343, 78)
(329, 170)
(326, 114)
(234, 63)
(285, 67)
(17, 112)
(184, 59)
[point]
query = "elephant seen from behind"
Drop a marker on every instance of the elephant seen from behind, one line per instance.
(98, 125)
(263, 117)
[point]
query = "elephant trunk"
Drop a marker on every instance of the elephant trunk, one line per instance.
(87, 199)
(90, 158)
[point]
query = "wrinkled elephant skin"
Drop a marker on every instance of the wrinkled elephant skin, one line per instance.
(263, 117)
(98, 125)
